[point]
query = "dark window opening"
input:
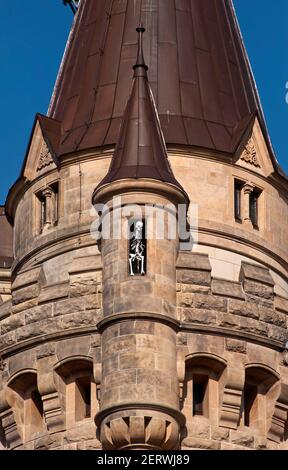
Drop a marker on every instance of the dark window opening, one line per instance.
(253, 207)
(137, 256)
(250, 395)
(237, 199)
(200, 383)
(55, 202)
(83, 406)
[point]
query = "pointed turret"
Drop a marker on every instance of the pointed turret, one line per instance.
(140, 151)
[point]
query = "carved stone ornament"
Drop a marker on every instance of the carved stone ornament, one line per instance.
(45, 158)
(2, 364)
(250, 154)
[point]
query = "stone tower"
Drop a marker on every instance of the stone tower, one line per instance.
(145, 343)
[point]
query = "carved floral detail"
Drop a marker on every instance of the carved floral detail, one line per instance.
(45, 158)
(250, 154)
(2, 364)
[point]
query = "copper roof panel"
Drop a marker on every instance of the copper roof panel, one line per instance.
(197, 69)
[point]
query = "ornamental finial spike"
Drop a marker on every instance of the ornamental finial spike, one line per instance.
(140, 68)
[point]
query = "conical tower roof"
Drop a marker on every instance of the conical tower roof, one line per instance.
(140, 151)
(198, 71)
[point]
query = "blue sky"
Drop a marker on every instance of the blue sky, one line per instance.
(32, 41)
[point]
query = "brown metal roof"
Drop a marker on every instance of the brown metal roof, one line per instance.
(198, 72)
(140, 151)
(6, 240)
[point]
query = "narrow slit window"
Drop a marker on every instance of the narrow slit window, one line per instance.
(83, 398)
(200, 383)
(237, 200)
(253, 207)
(250, 395)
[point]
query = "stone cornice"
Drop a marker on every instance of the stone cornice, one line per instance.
(32, 342)
(149, 316)
(176, 324)
(158, 407)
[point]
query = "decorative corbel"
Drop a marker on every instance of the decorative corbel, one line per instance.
(232, 397)
(53, 412)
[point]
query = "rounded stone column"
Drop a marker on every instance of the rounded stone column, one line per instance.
(140, 389)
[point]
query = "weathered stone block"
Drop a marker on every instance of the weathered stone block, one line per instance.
(244, 309)
(280, 304)
(7, 340)
(138, 360)
(227, 288)
(24, 306)
(49, 441)
(226, 320)
(78, 320)
(235, 345)
(271, 316)
(57, 291)
(210, 302)
(188, 276)
(254, 327)
(120, 344)
(38, 314)
(277, 333)
(256, 273)
(184, 300)
(193, 315)
(199, 427)
(5, 309)
(257, 289)
(32, 276)
(194, 289)
(242, 438)
(194, 261)
(81, 432)
(68, 306)
(198, 443)
(82, 284)
(219, 434)
(120, 377)
(12, 323)
(139, 326)
(26, 293)
(37, 329)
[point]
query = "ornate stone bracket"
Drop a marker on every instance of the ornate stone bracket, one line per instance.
(53, 412)
(140, 432)
(232, 397)
(279, 421)
(8, 423)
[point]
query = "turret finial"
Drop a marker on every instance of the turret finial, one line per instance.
(140, 68)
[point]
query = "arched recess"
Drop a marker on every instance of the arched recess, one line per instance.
(24, 398)
(260, 392)
(202, 388)
(75, 383)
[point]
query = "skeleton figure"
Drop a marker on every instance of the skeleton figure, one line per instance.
(137, 249)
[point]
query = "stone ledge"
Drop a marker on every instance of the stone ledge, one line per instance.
(232, 333)
(194, 261)
(5, 309)
(253, 272)
(26, 278)
(86, 264)
(227, 288)
(54, 292)
(281, 304)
